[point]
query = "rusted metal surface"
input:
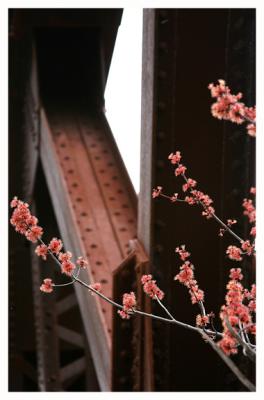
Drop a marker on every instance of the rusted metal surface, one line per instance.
(47, 343)
(31, 127)
(132, 358)
(94, 211)
(179, 76)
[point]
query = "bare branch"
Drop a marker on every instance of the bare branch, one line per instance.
(243, 379)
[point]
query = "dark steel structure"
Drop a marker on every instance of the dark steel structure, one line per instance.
(65, 163)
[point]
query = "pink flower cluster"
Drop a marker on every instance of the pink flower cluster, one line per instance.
(186, 276)
(42, 251)
(249, 210)
(202, 321)
(96, 286)
(150, 287)
(247, 247)
(24, 222)
(156, 192)
(47, 286)
(183, 253)
(234, 253)
(67, 267)
(229, 107)
(189, 184)
(82, 262)
(129, 303)
(236, 312)
(180, 170)
(175, 158)
(199, 197)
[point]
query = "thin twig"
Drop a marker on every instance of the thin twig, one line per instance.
(217, 218)
(246, 349)
(164, 308)
(243, 379)
(157, 317)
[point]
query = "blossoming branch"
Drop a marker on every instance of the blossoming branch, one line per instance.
(229, 107)
(238, 312)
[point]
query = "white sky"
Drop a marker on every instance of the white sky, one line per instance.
(123, 91)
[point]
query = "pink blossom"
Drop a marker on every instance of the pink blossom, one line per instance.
(63, 257)
(151, 289)
(206, 202)
(14, 203)
(231, 222)
(249, 210)
(234, 253)
(55, 245)
(175, 158)
(202, 320)
(208, 212)
(34, 233)
(129, 303)
(156, 192)
(32, 220)
(186, 277)
(146, 278)
(253, 231)
(235, 274)
(233, 320)
(218, 90)
(251, 130)
(82, 262)
(189, 184)
(21, 217)
(247, 247)
(180, 170)
(252, 305)
(252, 329)
(47, 286)
(243, 314)
(250, 113)
(186, 273)
(183, 253)
(174, 197)
(228, 344)
(67, 267)
(197, 294)
(42, 251)
(229, 107)
(190, 200)
(221, 232)
(237, 112)
(123, 314)
(253, 190)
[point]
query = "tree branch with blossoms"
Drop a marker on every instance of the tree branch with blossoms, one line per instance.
(27, 224)
(238, 312)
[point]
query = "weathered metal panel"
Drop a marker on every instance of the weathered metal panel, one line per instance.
(132, 353)
(91, 311)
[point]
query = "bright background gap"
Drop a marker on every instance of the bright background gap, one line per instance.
(123, 91)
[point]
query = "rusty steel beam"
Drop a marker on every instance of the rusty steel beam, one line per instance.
(96, 212)
(173, 40)
(47, 344)
(132, 357)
